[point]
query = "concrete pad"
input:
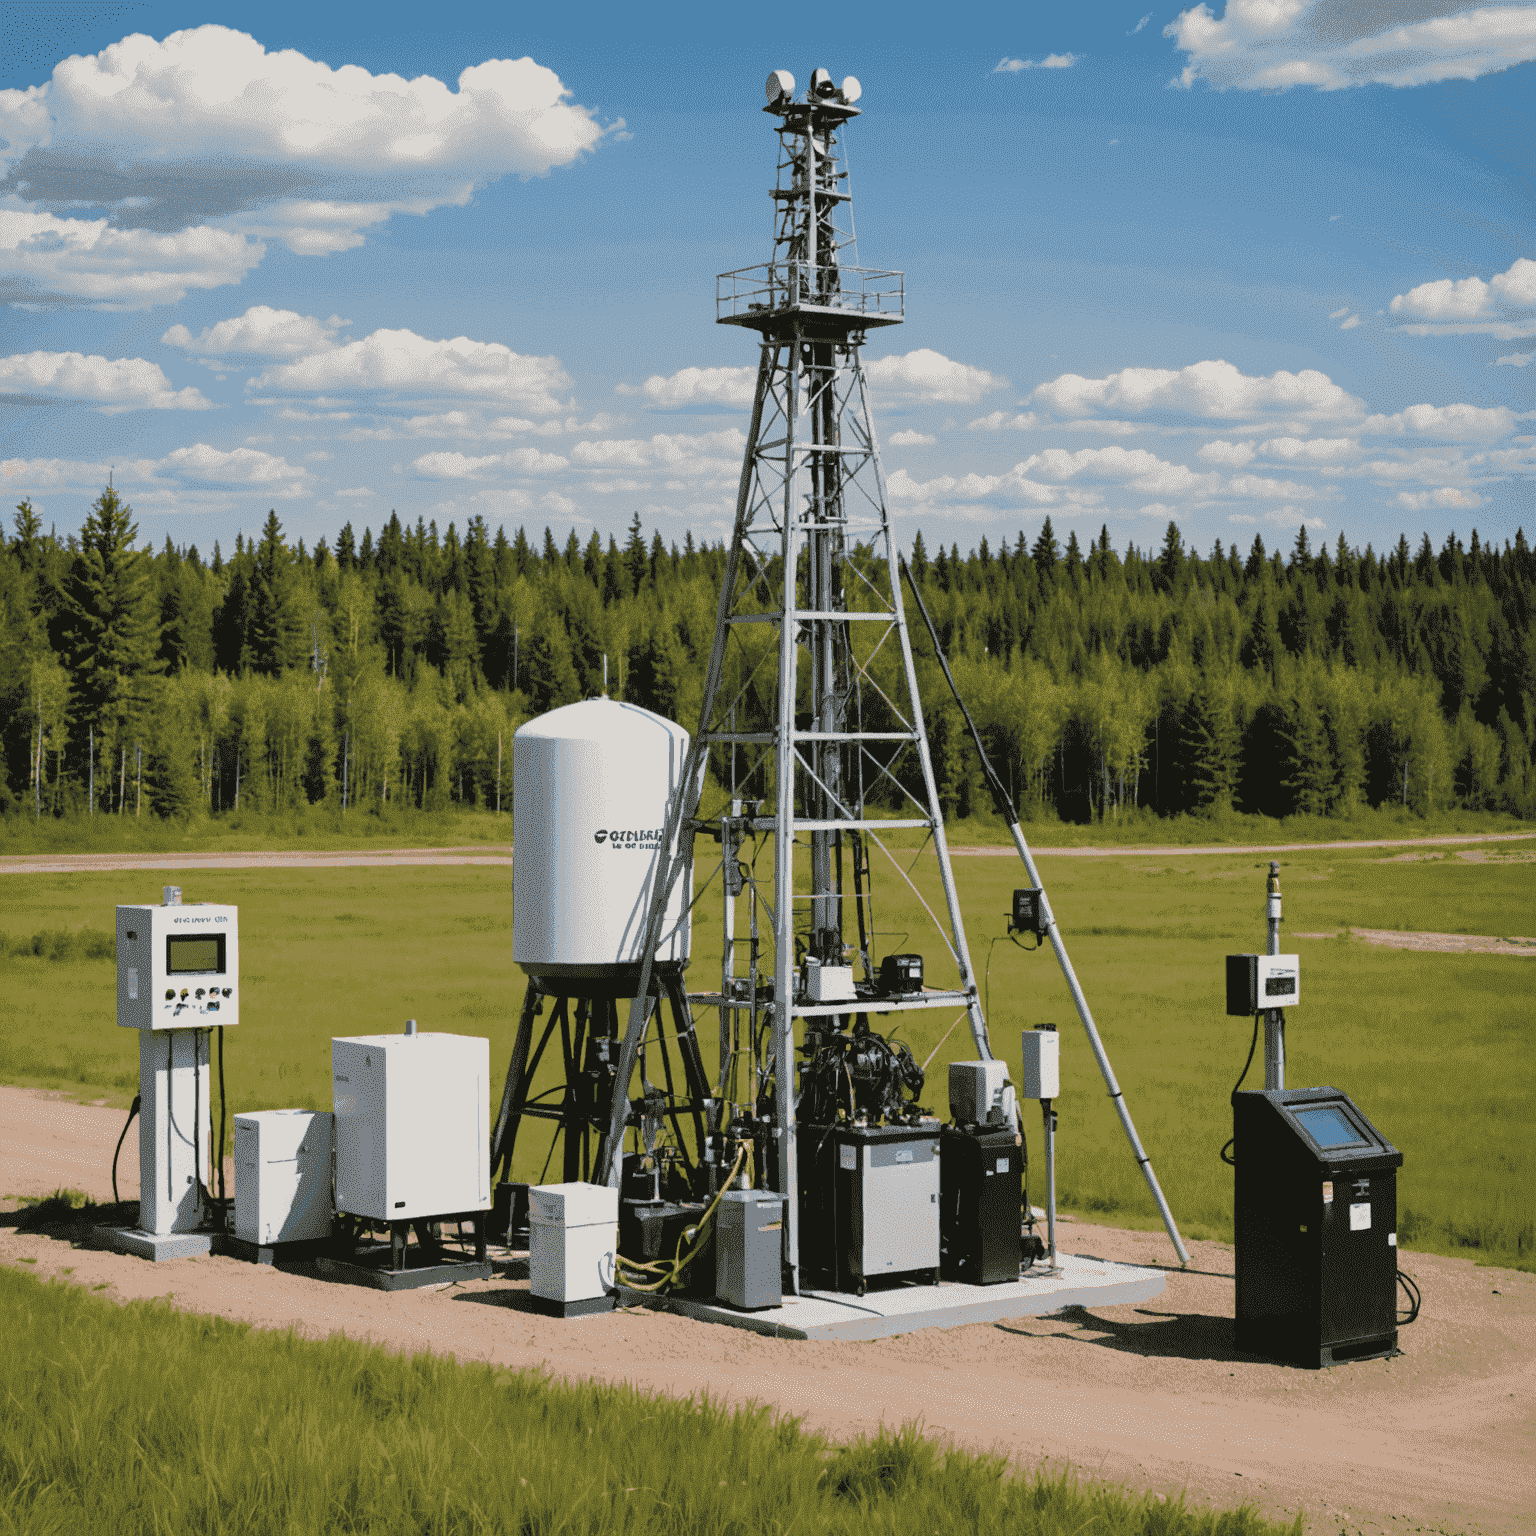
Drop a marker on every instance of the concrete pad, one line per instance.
(150, 1245)
(1079, 1282)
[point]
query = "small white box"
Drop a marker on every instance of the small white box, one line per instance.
(573, 1236)
(412, 1131)
(1042, 1064)
(283, 1176)
(573, 1205)
(829, 983)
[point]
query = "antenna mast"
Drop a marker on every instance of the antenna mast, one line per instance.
(810, 701)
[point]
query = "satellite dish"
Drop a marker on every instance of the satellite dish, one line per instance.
(821, 83)
(781, 85)
(851, 90)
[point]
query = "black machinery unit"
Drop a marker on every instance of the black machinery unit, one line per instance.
(981, 1206)
(1315, 1213)
(869, 1204)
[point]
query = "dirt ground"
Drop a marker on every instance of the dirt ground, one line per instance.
(1438, 943)
(1440, 1438)
(501, 853)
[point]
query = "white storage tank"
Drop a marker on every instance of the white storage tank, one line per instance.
(592, 785)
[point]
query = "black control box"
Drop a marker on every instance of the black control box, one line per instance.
(981, 1203)
(1029, 913)
(901, 973)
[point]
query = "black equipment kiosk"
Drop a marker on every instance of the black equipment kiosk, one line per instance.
(1316, 1228)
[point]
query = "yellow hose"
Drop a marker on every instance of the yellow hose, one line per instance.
(670, 1271)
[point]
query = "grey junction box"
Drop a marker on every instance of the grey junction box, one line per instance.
(749, 1238)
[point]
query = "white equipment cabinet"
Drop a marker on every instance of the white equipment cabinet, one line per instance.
(283, 1176)
(412, 1131)
(573, 1237)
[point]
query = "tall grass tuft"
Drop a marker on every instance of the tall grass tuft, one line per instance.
(143, 1419)
(60, 944)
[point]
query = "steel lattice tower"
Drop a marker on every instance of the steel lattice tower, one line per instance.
(803, 727)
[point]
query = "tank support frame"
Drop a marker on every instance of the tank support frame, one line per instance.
(585, 1021)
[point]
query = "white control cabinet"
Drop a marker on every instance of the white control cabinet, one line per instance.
(283, 1176)
(573, 1238)
(178, 967)
(412, 1125)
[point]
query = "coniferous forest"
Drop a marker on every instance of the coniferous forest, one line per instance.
(393, 671)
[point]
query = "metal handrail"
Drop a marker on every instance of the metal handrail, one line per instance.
(779, 285)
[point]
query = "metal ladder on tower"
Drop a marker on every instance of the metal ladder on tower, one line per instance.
(812, 561)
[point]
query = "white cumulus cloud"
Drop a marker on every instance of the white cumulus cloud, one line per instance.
(206, 129)
(117, 384)
(1212, 390)
(1309, 450)
(998, 421)
(202, 464)
(1223, 452)
(930, 377)
(1272, 45)
(1501, 307)
(1007, 66)
(1293, 517)
(910, 439)
(49, 260)
(697, 386)
(405, 364)
(1453, 422)
(1515, 360)
(1446, 496)
(260, 332)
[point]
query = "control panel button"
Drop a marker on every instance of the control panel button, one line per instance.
(170, 992)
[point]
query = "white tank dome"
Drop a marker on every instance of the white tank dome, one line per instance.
(591, 787)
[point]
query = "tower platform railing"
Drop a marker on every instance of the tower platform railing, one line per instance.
(752, 295)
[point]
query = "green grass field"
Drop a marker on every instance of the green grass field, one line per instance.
(323, 826)
(144, 1419)
(1435, 1047)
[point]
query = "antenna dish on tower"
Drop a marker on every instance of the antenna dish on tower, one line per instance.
(781, 86)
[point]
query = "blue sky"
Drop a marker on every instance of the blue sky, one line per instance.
(1243, 268)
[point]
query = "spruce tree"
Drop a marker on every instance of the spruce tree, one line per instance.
(274, 634)
(112, 628)
(919, 556)
(1046, 550)
(634, 557)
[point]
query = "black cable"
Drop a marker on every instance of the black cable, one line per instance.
(1253, 1045)
(1415, 1300)
(133, 1110)
(223, 1116)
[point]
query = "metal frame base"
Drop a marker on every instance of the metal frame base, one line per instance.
(372, 1268)
(274, 1255)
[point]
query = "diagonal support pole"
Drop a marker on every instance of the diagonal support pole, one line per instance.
(1005, 803)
